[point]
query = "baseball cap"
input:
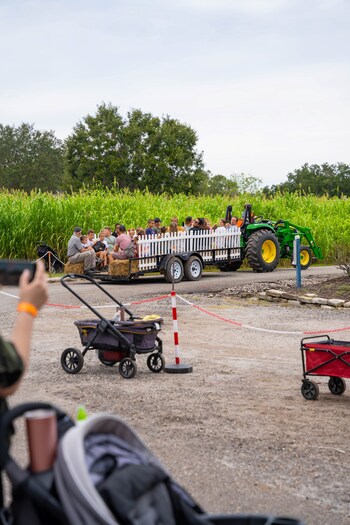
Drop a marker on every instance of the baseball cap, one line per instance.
(77, 229)
(157, 219)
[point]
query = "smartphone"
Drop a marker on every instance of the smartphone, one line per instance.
(11, 271)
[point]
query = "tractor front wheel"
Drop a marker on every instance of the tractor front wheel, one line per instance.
(305, 257)
(263, 251)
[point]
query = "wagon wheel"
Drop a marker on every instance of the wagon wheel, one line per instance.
(155, 362)
(72, 360)
(310, 390)
(127, 368)
(336, 385)
(105, 361)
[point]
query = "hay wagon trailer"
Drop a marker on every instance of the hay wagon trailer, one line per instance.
(182, 254)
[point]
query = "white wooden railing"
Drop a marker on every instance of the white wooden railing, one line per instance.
(212, 246)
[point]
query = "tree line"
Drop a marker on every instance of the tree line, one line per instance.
(137, 152)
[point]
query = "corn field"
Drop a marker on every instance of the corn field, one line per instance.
(26, 219)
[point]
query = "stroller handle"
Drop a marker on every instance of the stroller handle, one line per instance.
(94, 282)
(7, 419)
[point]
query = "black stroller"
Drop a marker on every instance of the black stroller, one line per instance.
(103, 474)
(50, 256)
(115, 341)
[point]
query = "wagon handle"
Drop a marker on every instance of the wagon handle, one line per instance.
(315, 337)
(92, 281)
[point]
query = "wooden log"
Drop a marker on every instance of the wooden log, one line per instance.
(123, 268)
(74, 268)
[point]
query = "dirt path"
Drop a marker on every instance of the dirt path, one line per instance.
(236, 432)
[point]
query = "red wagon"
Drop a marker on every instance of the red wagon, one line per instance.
(323, 356)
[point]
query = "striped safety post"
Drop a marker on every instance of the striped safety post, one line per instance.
(178, 367)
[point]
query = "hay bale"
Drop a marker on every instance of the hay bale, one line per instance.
(123, 268)
(74, 268)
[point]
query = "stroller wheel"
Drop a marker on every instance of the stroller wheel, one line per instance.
(155, 362)
(72, 360)
(310, 390)
(127, 368)
(336, 385)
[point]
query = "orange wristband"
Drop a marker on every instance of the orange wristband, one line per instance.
(29, 308)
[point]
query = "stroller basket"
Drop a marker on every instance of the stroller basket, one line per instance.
(142, 334)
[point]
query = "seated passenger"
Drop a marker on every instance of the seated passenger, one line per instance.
(76, 252)
(101, 249)
(124, 246)
(109, 238)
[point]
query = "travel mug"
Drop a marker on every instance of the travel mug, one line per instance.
(42, 439)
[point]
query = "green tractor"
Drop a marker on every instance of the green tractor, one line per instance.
(265, 242)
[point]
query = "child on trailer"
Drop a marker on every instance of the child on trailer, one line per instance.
(101, 254)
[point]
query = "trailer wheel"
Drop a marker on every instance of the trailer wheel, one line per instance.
(193, 268)
(155, 362)
(310, 390)
(174, 270)
(127, 368)
(263, 251)
(232, 266)
(305, 257)
(72, 360)
(336, 385)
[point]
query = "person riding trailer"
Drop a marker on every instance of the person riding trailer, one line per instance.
(124, 246)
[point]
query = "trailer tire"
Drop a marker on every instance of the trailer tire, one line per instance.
(263, 251)
(175, 274)
(193, 268)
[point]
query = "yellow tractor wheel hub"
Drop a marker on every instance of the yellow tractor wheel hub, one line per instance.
(304, 257)
(268, 251)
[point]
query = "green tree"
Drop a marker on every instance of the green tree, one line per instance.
(246, 183)
(221, 185)
(95, 150)
(30, 159)
(139, 152)
(327, 179)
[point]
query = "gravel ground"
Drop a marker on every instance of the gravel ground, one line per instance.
(236, 432)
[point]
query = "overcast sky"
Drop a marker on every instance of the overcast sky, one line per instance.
(265, 83)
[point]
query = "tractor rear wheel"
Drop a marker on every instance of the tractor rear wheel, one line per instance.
(263, 251)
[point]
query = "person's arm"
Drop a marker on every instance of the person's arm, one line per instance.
(32, 296)
(116, 245)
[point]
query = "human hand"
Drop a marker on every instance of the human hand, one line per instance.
(36, 291)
